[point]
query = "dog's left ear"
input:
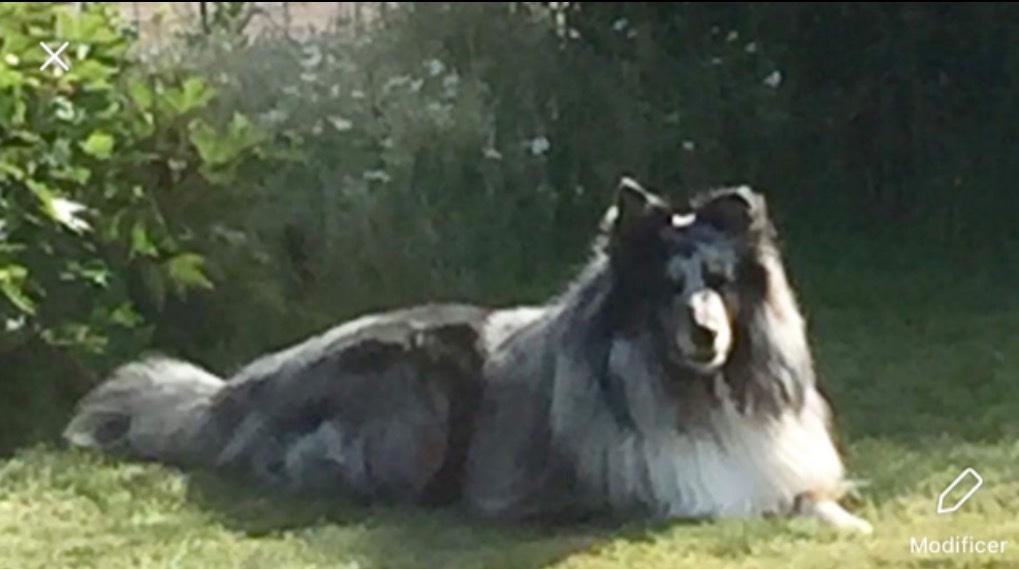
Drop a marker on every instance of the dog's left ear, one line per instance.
(634, 227)
(736, 211)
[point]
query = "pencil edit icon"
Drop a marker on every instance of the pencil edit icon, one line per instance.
(947, 507)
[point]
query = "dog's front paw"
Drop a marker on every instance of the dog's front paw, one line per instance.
(830, 512)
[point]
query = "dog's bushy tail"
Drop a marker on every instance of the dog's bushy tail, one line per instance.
(152, 409)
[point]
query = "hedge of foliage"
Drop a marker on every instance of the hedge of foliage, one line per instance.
(111, 185)
(225, 199)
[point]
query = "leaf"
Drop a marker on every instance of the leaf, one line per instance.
(125, 315)
(10, 77)
(77, 174)
(93, 271)
(141, 244)
(243, 133)
(8, 169)
(195, 93)
(93, 74)
(12, 280)
(140, 92)
(76, 335)
(66, 212)
(99, 145)
(186, 270)
(208, 142)
(217, 149)
(62, 210)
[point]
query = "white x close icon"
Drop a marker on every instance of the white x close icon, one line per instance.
(54, 57)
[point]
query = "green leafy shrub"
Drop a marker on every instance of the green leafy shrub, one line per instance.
(107, 178)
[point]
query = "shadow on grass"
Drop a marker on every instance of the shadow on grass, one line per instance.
(406, 536)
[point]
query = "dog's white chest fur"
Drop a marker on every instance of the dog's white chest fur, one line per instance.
(743, 466)
(725, 464)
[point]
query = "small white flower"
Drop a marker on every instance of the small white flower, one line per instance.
(620, 24)
(689, 145)
(66, 212)
(751, 47)
(774, 79)
(14, 324)
(341, 124)
(732, 36)
(435, 67)
(377, 176)
(492, 153)
(313, 56)
(539, 145)
(394, 83)
(11, 59)
(450, 83)
(274, 116)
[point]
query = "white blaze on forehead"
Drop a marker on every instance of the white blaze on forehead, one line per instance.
(680, 220)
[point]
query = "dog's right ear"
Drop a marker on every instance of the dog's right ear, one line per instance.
(636, 212)
(735, 211)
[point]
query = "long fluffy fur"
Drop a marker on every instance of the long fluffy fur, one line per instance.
(152, 409)
(569, 408)
(701, 453)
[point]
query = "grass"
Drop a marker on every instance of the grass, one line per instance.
(922, 369)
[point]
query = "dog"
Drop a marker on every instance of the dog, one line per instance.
(671, 379)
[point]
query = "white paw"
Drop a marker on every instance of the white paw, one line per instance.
(831, 513)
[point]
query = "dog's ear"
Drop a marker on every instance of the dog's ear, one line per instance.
(736, 211)
(635, 227)
(635, 212)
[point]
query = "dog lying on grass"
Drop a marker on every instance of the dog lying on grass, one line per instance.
(672, 379)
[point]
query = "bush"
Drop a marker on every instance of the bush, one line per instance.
(108, 178)
(449, 152)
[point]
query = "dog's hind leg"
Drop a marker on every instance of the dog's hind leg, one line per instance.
(386, 418)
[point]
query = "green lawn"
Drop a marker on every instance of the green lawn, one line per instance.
(923, 374)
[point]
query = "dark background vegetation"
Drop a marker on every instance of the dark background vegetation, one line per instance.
(245, 190)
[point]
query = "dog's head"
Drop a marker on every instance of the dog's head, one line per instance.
(688, 272)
